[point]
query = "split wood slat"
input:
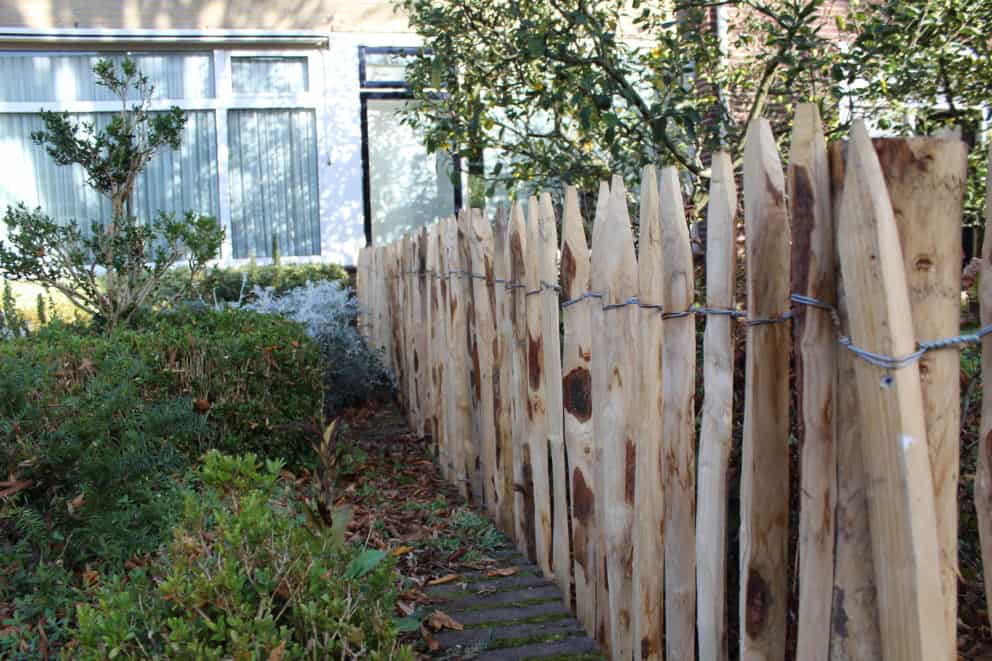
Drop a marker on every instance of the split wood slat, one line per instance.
(901, 497)
(361, 290)
(649, 501)
(578, 407)
(503, 376)
(614, 274)
(483, 339)
(523, 471)
(765, 455)
(395, 286)
(715, 433)
(814, 267)
(854, 633)
(447, 452)
(551, 325)
(926, 179)
(678, 424)
(537, 407)
(424, 392)
(473, 441)
(983, 479)
(408, 305)
(456, 365)
(598, 276)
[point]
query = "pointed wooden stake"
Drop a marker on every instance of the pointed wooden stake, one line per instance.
(614, 270)
(550, 322)
(765, 456)
(926, 179)
(578, 406)
(814, 276)
(901, 501)
(523, 471)
(983, 481)
(503, 376)
(649, 501)
(715, 433)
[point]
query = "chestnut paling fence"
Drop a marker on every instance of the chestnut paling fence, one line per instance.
(583, 444)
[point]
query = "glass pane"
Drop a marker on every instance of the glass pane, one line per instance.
(408, 186)
(174, 181)
(273, 180)
(386, 67)
(69, 76)
(269, 75)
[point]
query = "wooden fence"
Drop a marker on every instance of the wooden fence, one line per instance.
(582, 442)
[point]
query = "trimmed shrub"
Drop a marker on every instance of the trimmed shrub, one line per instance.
(234, 284)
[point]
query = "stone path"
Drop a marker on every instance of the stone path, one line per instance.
(510, 618)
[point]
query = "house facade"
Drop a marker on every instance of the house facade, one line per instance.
(292, 138)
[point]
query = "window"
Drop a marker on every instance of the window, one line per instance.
(248, 153)
(404, 186)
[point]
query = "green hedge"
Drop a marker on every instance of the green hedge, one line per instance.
(228, 284)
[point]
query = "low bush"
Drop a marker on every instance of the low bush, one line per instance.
(248, 575)
(353, 372)
(234, 284)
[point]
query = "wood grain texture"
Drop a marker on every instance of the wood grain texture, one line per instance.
(445, 452)
(854, 633)
(471, 412)
(678, 424)
(599, 375)
(523, 472)
(578, 408)
(715, 432)
(983, 479)
(765, 455)
(551, 325)
(813, 274)
(503, 375)
(482, 349)
(422, 358)
(537, 406)
(926, 178)
(901, 497)
(649, 501)
(614, 273)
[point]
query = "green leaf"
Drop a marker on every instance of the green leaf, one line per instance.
(407, 624)
(364, 563)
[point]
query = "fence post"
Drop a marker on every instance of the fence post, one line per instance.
(649, 503)
(614, 273)
(551, 324)
(903, 521)
(523, 473)
(983, 480)
(765, 455)
(483, 350)
(422, 359)
(537, 412)
(926, 179)
(471, 413)
(503, 376)
(447, 451)
(813, 274)
(578, 408)
(599, 374)
(715, 433)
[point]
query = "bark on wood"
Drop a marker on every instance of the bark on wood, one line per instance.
(649, 501)
(550, 322)
(814, 276)
(578, 408)
(926, 178)
(901, 498)
(422, 360)
(537, 407)
(765, 456)
(471, 413)
(503, 376)
(715, 433)
(523, 471)
(482, 350)
(614, 274)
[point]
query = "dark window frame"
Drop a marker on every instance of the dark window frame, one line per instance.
(403, 93)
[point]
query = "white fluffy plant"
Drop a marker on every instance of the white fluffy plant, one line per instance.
(328, 311)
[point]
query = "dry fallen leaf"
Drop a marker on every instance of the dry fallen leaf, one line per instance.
(506, 571)
(440, 620)
(431, 641)
(404, 608)
(444, 579)
(402, 550)
(277, 652)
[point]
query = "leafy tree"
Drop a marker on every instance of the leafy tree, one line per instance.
(570, 90)
(111, 270)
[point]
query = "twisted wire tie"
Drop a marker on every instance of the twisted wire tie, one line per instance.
(630, 301)
(581, 297)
